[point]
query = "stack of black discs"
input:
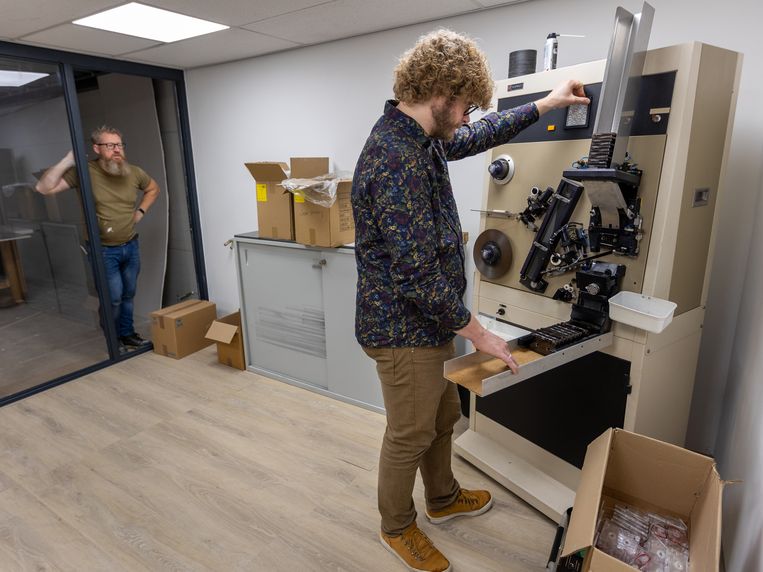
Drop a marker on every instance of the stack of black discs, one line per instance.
(602, 147)
(522, 62)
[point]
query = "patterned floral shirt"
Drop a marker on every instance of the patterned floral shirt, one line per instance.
(408, 243)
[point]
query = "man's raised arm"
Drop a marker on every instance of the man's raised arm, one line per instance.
(52, 180)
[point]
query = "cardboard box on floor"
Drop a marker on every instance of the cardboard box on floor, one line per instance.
(178, 330)
(315, 225)
(650, 475)
(275, 208)
(226, 331)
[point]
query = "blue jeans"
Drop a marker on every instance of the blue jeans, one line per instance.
(122, 267)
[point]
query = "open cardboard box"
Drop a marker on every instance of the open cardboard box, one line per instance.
(328, 227)
(316, 225)
(275, 209)
(226, 331)
(653, 476)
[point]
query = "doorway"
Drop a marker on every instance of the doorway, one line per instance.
(54, 304)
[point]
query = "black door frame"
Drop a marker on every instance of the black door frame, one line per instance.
(66, 62)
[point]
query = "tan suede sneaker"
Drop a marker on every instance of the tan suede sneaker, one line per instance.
(414, 549)
(468, 503)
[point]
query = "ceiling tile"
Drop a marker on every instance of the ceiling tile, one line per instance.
(235, 13)
(493, 3)
(81, 38)
(345, 18)
(259, 26)
(218, 47)
(19, 18)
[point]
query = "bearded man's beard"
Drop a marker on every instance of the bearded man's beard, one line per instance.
(116, 168)
(444, 128)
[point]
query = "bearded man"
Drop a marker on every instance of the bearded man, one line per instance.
(410, 258)
(116, 186)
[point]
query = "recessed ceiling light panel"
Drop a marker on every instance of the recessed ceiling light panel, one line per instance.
(10, 78)
(143, 21)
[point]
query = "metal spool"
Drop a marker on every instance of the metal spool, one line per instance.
(492, 254)
(522, 62)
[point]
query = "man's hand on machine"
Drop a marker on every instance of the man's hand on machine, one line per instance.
(569, 92)
(488, 342)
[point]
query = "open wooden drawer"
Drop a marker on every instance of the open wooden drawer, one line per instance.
(484, 374)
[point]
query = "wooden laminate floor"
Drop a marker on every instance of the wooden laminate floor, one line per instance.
(157, 464)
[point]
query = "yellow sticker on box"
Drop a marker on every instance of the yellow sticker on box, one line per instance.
(262, 193)
(298, 198)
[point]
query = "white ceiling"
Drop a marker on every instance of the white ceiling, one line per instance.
(257, 26)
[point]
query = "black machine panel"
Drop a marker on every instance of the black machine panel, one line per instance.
(564, 409)
(656, 92)
(557, 117)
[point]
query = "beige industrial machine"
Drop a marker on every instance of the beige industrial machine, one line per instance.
(566, 224)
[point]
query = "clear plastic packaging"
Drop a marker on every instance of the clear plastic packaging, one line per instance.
(617, 542)
(319, 190)
(646, 541)
(632, 520)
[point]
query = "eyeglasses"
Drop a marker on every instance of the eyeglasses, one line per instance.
(112, 146)
(471, 109)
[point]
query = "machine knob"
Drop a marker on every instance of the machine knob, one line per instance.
(490, 253)
(501, 169)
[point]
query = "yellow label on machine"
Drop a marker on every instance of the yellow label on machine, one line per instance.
(262, 193)
(298, 198)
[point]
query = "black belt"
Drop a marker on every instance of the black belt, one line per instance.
(123, 243)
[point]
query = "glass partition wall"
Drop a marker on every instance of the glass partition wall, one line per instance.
(56, 319)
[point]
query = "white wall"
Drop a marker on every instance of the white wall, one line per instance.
(323, 100)
(740, 441)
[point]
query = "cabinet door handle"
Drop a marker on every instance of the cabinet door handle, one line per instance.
(320, 264)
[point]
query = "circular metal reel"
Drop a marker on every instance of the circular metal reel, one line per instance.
(492, 253)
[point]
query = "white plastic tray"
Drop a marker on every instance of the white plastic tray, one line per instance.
(639, 311)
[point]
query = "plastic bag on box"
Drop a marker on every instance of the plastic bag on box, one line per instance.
(318, 190)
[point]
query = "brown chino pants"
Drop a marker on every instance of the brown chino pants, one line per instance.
(422, 408)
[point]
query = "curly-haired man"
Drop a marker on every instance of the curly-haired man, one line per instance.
(411, 279)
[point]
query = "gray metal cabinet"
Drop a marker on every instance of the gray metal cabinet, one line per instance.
(298, 312)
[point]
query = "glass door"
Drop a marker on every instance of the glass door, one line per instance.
(145, 113)
(50, 322)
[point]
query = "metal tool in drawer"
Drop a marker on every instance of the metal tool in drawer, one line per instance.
(552, 338)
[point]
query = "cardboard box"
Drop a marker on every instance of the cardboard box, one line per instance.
(651, 475)
(275, 208)
(315, 225)
(309, 167)
(178, 330)
(226, 331)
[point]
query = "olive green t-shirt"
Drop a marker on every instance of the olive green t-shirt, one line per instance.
(115, 200)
